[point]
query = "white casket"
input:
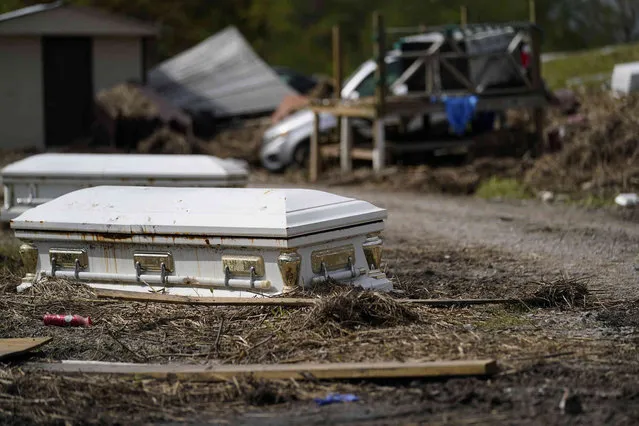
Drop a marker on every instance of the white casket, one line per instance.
(40, 178)
(203, 241)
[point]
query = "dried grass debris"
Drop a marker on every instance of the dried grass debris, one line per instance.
(356, 307)
(563, 292)
(127, 101)
(600, 154)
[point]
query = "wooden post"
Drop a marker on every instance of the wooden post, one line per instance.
(464, 15)
(379, 47)
(346, 145)
(532, 11)
(539, 114)
(337, 75)
(379, 151)
(314, 166)
(379, 51)
(337, 61)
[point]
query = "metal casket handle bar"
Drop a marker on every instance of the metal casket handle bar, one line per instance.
(169, 280)
(76, 259)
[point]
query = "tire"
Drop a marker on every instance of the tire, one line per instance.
(301, 155)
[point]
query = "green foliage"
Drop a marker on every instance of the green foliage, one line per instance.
(497, 187)
(297, 33)
(587, 63)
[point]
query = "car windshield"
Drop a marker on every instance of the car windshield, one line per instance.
(367, 86)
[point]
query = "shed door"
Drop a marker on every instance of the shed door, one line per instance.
(68, 88)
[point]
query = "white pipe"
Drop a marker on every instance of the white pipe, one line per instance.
(338, 276)
(173, 280)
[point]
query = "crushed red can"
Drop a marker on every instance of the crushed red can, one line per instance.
(67, 320)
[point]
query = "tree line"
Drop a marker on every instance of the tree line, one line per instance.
(297, 33)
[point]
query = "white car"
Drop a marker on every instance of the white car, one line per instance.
(287, 142)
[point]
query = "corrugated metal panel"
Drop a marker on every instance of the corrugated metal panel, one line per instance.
(29, 10)
(223, 75)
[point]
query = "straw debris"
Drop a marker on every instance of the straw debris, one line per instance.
(355, 308)
(562, 293)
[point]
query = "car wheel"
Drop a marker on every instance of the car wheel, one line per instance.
(302, 154)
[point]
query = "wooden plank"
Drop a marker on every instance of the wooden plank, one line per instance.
(352, 110)
(12, 347)
(306, 371)
(463, 12)
(458, 75)
(314, 160)
(333, 151)
(270, 301)
(418, 104)
(346, 145)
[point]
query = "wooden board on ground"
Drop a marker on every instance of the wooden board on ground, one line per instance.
(12, 347)
(272, 301)
(310, 371)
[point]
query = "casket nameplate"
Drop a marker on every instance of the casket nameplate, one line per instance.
(239, 265)
(333, 259)
(69, 258)
(153, 261)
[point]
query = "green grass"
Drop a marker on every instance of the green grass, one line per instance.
(496, 187)
(504, 318)
(594, 201)
(587, 63)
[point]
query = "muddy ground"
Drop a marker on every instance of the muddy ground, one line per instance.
(580, 346)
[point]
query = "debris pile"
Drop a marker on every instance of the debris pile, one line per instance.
(356, 307)
(129, 113)
(600, 154)
(562, 292)
(597, 155)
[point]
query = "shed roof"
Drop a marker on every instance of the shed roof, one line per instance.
(59, 18)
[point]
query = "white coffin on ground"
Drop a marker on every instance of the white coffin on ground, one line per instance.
(203, 241)
(40, 178)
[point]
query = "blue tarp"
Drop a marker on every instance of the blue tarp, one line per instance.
(460, 111)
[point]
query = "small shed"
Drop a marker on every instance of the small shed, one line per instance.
(55, 57)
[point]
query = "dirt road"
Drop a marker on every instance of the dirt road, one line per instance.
(557, 238)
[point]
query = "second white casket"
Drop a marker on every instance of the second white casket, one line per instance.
(43, 177)
(203, 241)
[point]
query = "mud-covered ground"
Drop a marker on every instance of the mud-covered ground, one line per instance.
(580, 347)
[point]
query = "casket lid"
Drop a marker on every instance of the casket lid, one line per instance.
(241, 212)
(150, 166)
